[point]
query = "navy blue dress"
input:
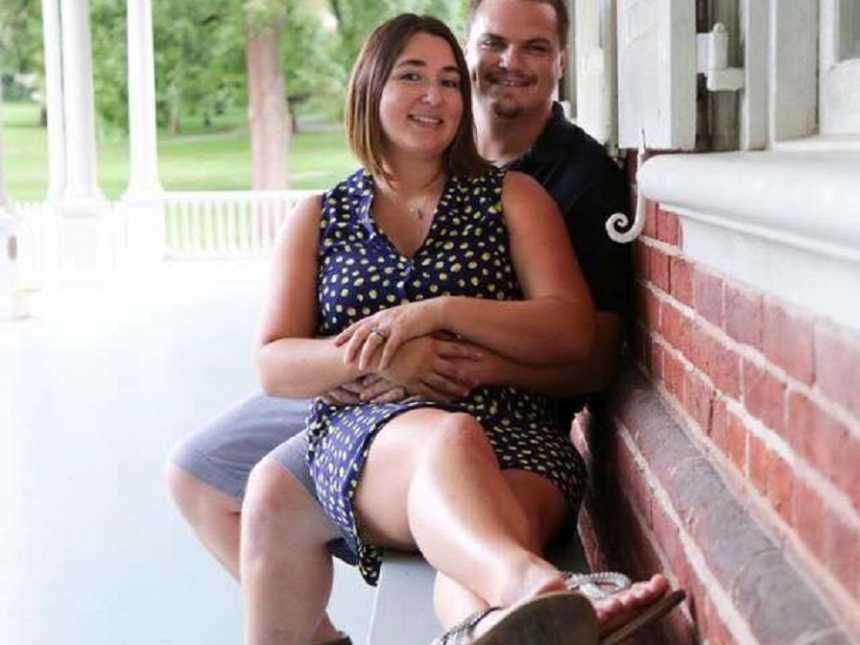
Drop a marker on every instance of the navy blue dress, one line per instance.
(465, 253)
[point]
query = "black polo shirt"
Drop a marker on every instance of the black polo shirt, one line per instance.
(588, 187)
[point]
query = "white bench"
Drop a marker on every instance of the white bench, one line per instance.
(403, 605)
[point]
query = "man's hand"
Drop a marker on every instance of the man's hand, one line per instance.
(346, 394)
(438, 368)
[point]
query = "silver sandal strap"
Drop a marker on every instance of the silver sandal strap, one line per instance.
(463, 629)
(598, 585)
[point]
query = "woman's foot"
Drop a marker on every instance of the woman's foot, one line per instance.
(618, 609)
(612, 613)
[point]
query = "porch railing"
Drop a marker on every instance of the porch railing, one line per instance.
(197, 225)
(225, 224)
(34, 235)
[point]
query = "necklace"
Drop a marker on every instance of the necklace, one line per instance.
(419, 209)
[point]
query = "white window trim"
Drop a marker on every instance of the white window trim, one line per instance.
(839, 81)
(784, 222)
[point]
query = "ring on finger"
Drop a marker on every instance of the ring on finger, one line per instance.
(376, 331)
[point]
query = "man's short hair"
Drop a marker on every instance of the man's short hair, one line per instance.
(562, 16)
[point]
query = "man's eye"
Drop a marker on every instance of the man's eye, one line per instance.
(491, 44)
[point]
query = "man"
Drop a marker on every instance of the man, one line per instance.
(516, 51)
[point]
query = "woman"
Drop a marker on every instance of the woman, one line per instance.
(425, 242)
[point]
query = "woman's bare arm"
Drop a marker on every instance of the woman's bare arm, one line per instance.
(290, 361)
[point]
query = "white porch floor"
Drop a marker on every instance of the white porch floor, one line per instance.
(92, 396)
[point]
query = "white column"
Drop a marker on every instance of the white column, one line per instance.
(86, 233)
(143, 152)
(52, 38)
(8, 248)
(82, 194)
(142, 198)
(4, 198)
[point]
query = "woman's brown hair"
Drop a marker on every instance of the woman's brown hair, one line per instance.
(369, 75)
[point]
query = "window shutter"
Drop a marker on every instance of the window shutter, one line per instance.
(596, 69)
(657, 64)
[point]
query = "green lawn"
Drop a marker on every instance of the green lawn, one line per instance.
(219, 159)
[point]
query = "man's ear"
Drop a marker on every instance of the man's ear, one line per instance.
(564, 56)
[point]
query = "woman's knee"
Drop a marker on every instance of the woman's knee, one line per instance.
(459, 434)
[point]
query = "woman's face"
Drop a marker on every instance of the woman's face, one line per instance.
(421, 104)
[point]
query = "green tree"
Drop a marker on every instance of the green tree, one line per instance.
(20, 48)
(199, 59)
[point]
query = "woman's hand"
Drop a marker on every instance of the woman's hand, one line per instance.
(432, 368)
(387, 330)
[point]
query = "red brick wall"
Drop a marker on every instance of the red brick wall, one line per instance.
(769, 394)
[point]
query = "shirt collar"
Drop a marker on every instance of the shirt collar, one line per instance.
(548, 145)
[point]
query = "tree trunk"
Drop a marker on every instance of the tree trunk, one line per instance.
(268, 113)
(173, 111)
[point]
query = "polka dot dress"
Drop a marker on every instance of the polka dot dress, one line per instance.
(465, 253)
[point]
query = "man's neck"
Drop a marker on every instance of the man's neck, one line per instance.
(502, 140)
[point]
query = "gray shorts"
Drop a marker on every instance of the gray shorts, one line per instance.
(223, 452)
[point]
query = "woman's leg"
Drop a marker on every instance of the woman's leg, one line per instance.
(285, 567)
(544, 506)
(432, 480)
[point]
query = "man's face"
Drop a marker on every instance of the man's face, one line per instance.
(514, 57)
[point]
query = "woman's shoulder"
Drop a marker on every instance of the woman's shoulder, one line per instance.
(341, 204)
(490, 181)
(356, 185)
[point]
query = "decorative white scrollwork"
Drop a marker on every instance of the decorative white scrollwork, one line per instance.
(617, 222)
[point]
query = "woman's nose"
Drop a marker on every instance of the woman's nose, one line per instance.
(432, 94)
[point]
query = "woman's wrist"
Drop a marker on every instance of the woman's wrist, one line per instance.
(440, 309)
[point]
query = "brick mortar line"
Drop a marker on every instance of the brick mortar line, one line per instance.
(660, 245)
(774, 527)
(836, 498)
(706, 445)
(757, 358)
(738, 624)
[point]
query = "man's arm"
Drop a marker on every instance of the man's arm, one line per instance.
(591, 374)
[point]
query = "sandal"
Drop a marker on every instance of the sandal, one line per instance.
(596, 586)
(558, 618)
(649, 615)
(602, 584)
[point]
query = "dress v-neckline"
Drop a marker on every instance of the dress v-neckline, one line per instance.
(434, 217)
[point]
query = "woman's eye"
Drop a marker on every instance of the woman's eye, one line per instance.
(452, 83)
(409, 76)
